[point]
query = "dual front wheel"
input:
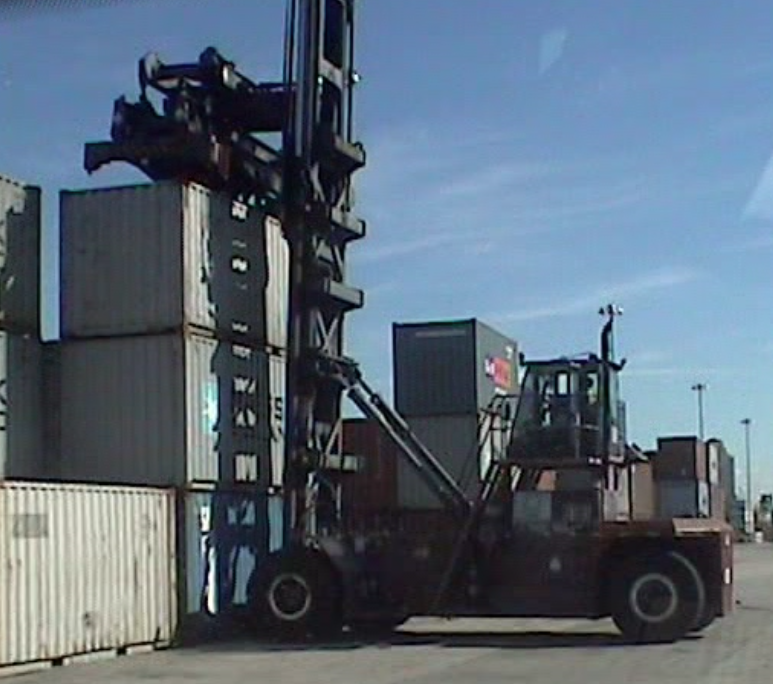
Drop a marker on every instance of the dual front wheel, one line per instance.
(659, 598)
(298, 595)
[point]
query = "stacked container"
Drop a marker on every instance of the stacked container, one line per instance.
(21, 448)
(373, 490)
(642, 491)
(172, 369)
(725, 486)
(445, 377)
(681, 471)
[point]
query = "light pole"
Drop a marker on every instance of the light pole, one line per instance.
(747, 423)
(699, 388)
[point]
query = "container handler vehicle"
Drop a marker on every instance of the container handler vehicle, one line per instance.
(508, 550)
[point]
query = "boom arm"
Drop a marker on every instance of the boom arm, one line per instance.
(426, 465)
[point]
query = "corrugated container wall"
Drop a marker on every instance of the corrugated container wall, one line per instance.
(84, 569)
(19, 256)
(718, 503)
(642, 491)
(683, 499)
(158, 258)
(725, 467)
(453, 440)
(375, 488)
(171, 410)
(22, 455)
(451, 368)
(226, 537)
(681, 458)
(714, 458)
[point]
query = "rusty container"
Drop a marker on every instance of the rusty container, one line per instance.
(373, 489)
(681, 458)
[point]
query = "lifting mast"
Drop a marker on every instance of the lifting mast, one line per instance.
(320, 158)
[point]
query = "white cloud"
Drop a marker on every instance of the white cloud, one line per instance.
(679, 371)
(496, 177)
(412, 246)
(750, 244)
(551, 49)
(589, 302)
(760, 204)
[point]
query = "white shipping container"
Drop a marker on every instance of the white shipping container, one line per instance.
(155, 258)
(21, 421)
(84, 569)
(714, 456)
(19, 256)
(170, 410)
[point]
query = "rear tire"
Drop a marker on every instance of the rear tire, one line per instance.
(297, 596)
(656, 599)
(709, 613)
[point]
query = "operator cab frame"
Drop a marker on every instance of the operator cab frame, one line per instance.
(568, 413)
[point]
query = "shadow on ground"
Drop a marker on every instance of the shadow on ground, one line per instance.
(443, 639)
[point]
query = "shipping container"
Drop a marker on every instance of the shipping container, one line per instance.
(171, 410)
(680, 458)
(683, 499)
(22, 455)
(642, 491)
(739, 515)
(616, 499)
(156, 258)
(451, 368)
(454, 441)
(84, 569)
(725, 466)
(374, 488)
(714, 458)
(226, 535)
(20, 241)
(718, 503)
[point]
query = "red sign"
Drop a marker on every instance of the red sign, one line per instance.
(500, 371)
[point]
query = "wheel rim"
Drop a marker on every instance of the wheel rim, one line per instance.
(289, 597)
(654, 597)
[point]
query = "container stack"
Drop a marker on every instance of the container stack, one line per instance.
(373, 491)
(682, 471)
(642, 491)
(445, 377)
(21, 449)
(721, 480)
(172, 366)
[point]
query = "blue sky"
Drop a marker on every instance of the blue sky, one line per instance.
(528, 162)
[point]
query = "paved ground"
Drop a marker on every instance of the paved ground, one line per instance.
(736, 649)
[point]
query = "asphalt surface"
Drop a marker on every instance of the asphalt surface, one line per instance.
(735, 649)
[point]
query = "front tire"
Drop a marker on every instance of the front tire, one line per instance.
(656, 598)
(298, 596)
